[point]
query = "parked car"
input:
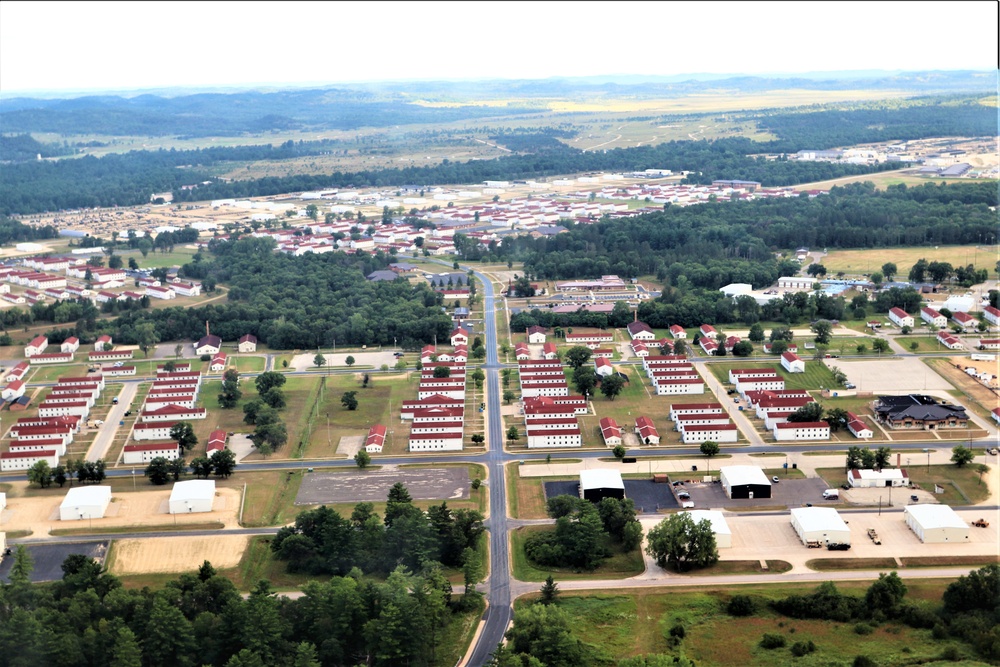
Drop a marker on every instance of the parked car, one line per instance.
(775, 479)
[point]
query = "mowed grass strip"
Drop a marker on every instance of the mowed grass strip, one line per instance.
(620, 565)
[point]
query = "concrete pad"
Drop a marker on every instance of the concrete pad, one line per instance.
(374, 485)
(350, 445)
(241, 445)
(894, 376)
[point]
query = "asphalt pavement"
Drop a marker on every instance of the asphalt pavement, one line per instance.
(109, 429)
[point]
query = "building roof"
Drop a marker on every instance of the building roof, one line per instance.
(935, 516)
(916, 406)
(210, 339)
(152, 447)
(740, 475)
(193, 489)
(248, 338)
(714, 517)
(601, 479)
(636, 327)
(884, 475)
(87, 495)
(823, 519)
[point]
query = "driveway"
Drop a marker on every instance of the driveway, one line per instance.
(109, 429)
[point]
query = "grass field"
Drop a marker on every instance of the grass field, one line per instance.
(817, 375)
(526, 495)
(615, 626)
(924, 344)
(620, 565)
(867, 261)
(882, 180)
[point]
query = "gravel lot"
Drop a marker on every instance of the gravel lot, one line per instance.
(374, 485)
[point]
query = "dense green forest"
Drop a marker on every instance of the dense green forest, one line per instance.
(299, 302)
(88, 619)
(24, 148)
(711, 246)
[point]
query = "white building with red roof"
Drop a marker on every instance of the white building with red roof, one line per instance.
(964, 320)
(137, 454)
(36, 346)
(71, 344)
(603, 366)
(611, 432)
(376, 439)
(791, 363)
(647, 433)
(677, 331)
(900, 317)
(858, 427)
(992, 315)
(933, 317)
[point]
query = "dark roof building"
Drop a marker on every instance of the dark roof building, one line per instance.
(919, 411)
(388, 276)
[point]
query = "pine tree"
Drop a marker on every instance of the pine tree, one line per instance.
(549, 591)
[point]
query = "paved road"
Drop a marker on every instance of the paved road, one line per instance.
(498, 613)
(109, 429)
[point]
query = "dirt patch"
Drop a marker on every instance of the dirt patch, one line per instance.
(349, 445)
(145, 508)
(374, 485)
(177, 554)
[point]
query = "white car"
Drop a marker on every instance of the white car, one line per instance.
(118, 364)
(687, 504)
(98, 422)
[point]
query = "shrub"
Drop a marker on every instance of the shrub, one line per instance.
(800, 649)
(476, 483)
(772, 640)
(939, 632)
(951, 653)
(205, 357)
(678, 631)
(741, 605)
(863, 629)
(863, 661)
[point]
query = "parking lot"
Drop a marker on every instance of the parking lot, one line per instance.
(374, 485)
(787, 493)
(647, 496)
(48, 559)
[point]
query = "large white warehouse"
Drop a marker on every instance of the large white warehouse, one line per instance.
(820, 524)
(723, 535)
(195, 495)
(85, 502)
(936, 524)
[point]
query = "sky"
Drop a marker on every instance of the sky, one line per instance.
(120, 46)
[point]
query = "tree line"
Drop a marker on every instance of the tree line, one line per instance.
(200, 618)
(299, 302)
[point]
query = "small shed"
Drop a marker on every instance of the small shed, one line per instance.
(723, 535)
(596, 485)
(85, 502)
(820, 524)
(745, 482)
(195, 495)
(936, 524)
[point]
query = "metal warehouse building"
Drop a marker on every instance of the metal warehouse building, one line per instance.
(85, 502)
(936, 524)
(195, 495)
(745, 482)
(598, 484)
(723, 535)
(820, 524)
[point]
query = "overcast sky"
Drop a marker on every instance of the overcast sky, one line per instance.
(74, 46)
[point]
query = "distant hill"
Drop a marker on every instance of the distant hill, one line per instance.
(234, 113)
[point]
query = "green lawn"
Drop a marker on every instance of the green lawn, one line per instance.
(924, 343)
(614, 626)
(816, 376)
(620, 565)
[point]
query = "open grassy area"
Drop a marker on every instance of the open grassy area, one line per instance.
(816, 376)
(115, 530)
(962, 486)
(924, 343)
(620, 565)
(269, 497)
(615, 626)
(526, 495)
(866, 261)
(837, 564)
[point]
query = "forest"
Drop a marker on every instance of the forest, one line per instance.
(737, 242)
(88, 619)
(130, 178)
(12, 231)
(299, 302)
